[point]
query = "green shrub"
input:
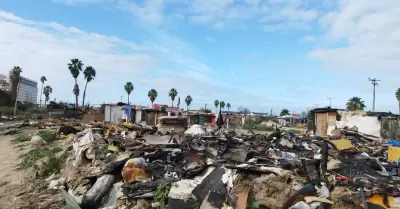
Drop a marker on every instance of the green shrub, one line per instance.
(30, 158)
(7, 111)
(48, 136)
(20, 138)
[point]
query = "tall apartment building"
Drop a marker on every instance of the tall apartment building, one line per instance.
(28, 89)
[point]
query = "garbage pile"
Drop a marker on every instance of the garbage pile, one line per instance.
(137, 166)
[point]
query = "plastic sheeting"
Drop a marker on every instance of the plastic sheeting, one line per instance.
(366, 124)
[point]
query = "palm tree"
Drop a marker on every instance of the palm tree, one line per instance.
(398, 97)
(42, 79)
(15, 76)
(75, 67)
(173, 93)
(355, 103)
(152, 96)
(179, 102)
(90, 74)
(216, 103)
(222, 105)
(128, 88)
(188, 100)
(47, 91)
(228, 106)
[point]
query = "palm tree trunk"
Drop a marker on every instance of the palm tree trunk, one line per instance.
(76, 95)
(41, 92)
(172, 103)
(84, 94)
(187, 107)
(128, 99)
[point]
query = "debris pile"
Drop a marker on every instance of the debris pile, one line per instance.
(138, 166)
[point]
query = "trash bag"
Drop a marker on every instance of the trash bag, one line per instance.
(93, 198)
(134, 170)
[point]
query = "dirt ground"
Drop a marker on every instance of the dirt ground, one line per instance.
(12, 181)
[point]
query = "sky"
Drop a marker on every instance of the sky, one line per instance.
(258, 54)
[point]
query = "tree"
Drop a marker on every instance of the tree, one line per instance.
(355, 103)
(173, 93)
(128, 88)
(42, 79)
(228, 106)
(179, 102)
(152, 96)
(15, 76)
(284, 112)
(216, 103)
(47, 91)
(244, 110)
(90, 74)
(222, 105)
(75, 67)
(205, 110)
(188, 100)
(5, 98)
(398, 97)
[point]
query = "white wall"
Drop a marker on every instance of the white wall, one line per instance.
(113, 113)
(366, 124)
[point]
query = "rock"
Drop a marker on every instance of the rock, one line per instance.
(53, 184)
(155, 204)
(37, 140)
(132, 135)
(53, 176)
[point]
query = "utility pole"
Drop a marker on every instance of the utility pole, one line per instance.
(121, 98)
(374, 82)
(316, 105)
(330, 100)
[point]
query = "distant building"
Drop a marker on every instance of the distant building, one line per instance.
(28, 89)
(4, 83)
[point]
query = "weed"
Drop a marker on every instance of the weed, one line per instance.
(47, 136)
(20, 138)
(41, 186)
(295, 131)
(161, 195)
(53, 164)
(29, 159)
(252, 205)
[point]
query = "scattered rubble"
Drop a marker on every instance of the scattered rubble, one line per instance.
(138, 166)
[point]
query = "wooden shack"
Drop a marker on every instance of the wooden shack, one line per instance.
(319, 119)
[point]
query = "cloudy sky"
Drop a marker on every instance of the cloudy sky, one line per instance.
(261, 54)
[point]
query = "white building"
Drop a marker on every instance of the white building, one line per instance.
(28, 90)
(4, 83)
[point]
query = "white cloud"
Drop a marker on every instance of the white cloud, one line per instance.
(307, 39)
(216, 13)
(362, 40)
(77, 2)
(149, 12)
(42, 48)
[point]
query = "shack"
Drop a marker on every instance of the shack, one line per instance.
(198, 117)
(320, 120)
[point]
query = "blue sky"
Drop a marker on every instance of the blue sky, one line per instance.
(261, 54)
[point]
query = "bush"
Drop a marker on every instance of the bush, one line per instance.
(48, 136)
(8, 111)
(20, 138)
(30, 158)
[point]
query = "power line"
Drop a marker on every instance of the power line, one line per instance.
(374, 82)
(330, 100)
